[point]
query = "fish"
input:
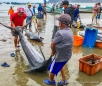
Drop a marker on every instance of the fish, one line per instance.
(36, 61)
(34, 36)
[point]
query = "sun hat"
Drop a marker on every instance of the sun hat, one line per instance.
(65, 2)
(20, 9)
(64, 19)
(29, 4)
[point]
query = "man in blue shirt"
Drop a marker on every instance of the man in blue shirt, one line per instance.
(40, 9)
(34, 9)
(76, 15)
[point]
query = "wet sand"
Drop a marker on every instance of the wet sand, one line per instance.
(14, 76)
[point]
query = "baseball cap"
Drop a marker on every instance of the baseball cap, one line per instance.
(20, 9)
(75, 6)
(65, 2)
(78, 5)
(64, 19)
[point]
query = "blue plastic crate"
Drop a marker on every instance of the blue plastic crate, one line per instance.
(90, 37)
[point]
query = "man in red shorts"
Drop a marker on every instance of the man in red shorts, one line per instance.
(17, 19)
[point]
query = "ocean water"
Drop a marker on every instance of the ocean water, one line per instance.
(5, 7)
(84, 4)
(81, 4)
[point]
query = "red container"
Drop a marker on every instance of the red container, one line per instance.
(86, 66)
(78, 40)
(98, 44)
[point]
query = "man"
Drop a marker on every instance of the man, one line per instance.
(29, 13)
(40, 17)
(68, 10)
(61, 49)
(10, 11)
(17, 19)
(95, 10)
(53, 8)
(40, 8)
(76, 15)
(40, 12)
(34, 9)
(44, 11)
(98, 12)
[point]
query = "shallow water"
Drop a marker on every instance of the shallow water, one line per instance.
(14, 76)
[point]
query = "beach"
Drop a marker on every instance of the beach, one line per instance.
(15, 76)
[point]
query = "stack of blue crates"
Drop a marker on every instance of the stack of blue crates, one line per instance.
(90, 37)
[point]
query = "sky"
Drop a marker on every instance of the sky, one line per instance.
(22, 0)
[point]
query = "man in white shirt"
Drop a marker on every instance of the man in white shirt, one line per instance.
(29, 13)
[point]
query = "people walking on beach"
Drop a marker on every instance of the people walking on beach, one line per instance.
(44, 11)
(17, 19)
(29, 13)
(53, 8)
(34, 9)
(40, 8)
(98, 13)
(76, 15)
(95, 10)
(34, 16)
(61, 50)
(40, 17)
(10, 11)
(68, 10)
(40, 12)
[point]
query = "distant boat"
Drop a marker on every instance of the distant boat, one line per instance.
(8, 3)
(87, 9)
(50, 10)
(3, 4)
(0, 3)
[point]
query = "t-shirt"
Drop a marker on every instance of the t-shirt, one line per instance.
(70, 11)
(11, 11)
(99, 9)
(63, 40)
(76, 12)
(34, 11)
(95, 9)
(40, 9)
(18, 20)
(29, 11)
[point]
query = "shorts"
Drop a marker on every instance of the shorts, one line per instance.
(14, 33)
(93, 16)
(75, 19)
(98, 16)
(55, 67)
(44, 12)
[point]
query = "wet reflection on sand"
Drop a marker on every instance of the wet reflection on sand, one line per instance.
(15, 76)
